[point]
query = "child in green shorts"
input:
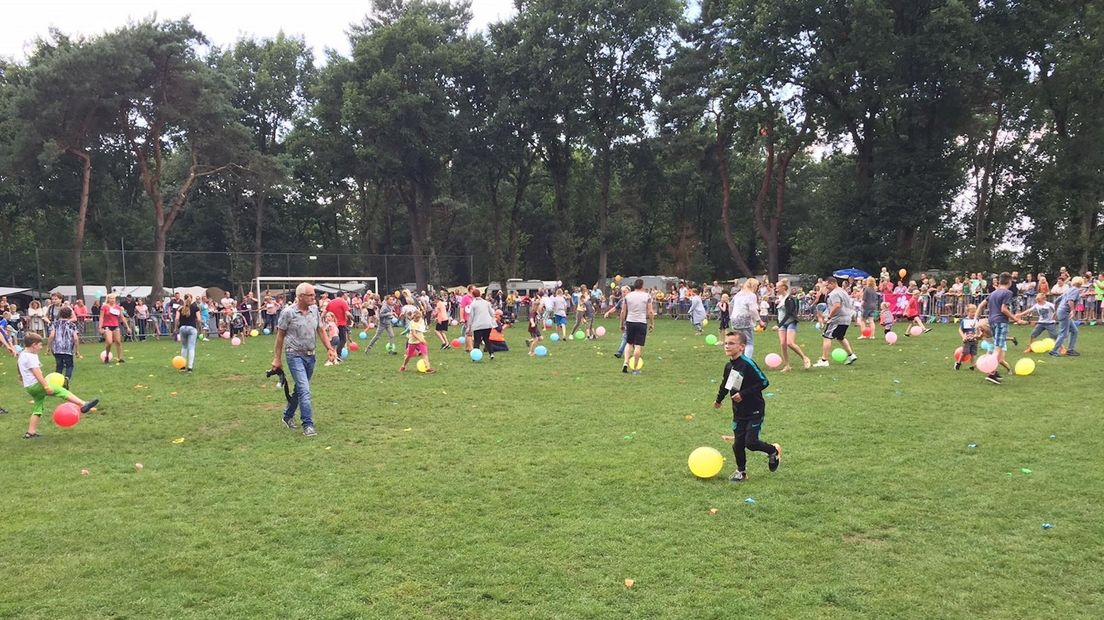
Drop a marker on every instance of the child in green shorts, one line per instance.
(30, 370)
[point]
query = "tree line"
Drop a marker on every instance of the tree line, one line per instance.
(578, 139)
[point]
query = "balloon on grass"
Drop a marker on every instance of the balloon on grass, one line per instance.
(1025, 367)
(705, 462)
(254, 333)
(66, 415)
(354, 347)
(636, 364)
(710, 340)
(773, 360)
(600, 331)
(178, 362)
(105, 356)
(839, 354)
(456, 344)
(867, 332)
(987, 363)
(541, 351)
(344, 352)
(916, 330)
(890, 338)
(476, 355)
(266, 331)
(421, 366)
(235, 341)
(580, 335)
(986, 346)
(554, 337)
(363, 335)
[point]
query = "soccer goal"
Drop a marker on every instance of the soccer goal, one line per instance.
(279, 285)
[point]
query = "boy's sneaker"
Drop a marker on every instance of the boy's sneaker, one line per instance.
(1015, 342)
(309, 431)
(738, 476)
(617, 355)
(1054, 353)
(775, 458)
(821, 364)
(88, 406)
(993, 378)
(1072, 353)
(958, 366)
(851, 359)
(290, 423)
(636, 372)
(625, 369)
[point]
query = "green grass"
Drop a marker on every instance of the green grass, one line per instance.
(532, 488)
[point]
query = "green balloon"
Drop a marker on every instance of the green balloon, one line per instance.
(579, 335)
(839, 355)
(710, 340)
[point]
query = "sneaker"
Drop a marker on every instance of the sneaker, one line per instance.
(993, 378)
(1072, 353)
(851, 359)
(1054, 354)
(636, 372)
(738, 476)
(958, 366)
(617, 355)
(308, 430)
(775, 458)
(625, 369)
(31, 435)
(290, 423)
(328, 363)
(1015, 342)
(821, 364)
(88, 406)
(492, 355)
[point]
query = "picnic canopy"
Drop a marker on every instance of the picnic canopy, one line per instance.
(850, 272)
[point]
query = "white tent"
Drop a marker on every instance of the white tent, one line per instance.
(91, 291)
(135, 291)
(195, 291)
(10, 290)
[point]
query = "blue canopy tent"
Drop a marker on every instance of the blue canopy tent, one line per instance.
(850, 272)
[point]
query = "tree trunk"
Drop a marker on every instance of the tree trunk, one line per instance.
(720, 154)
(558, 160)
(605, 174)
(259, 204)
(982, 243)
(82, 215)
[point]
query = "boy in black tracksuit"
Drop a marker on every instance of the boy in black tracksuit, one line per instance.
(744, 382)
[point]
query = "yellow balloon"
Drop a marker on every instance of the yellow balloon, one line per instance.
(705, 322)
(179, 362)
(55, 380)
(1039, 346)
(422, 366)
(705, 462)
(1048, 344)
(635, 364)
(1025, 367)
(254, 333)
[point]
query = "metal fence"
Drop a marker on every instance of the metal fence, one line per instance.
(42, 269)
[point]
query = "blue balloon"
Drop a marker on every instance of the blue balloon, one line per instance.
(344, 352)
(394, 320)
(541, 351)
(476, 355)
(555, 337)
(986, 345)
(267, 331)
(461, 339)
(364, 335)
(18, 349)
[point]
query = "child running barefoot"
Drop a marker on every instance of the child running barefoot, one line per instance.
(415, 341)
(30, 370)
(534, 327)
(744, 382)
(886, 318)
(330, 325)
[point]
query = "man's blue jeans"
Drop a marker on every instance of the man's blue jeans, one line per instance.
(301, 368)
(1066, 327)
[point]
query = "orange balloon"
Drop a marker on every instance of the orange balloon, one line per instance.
(903, 272)
(179, 362)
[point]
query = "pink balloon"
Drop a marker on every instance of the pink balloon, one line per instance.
(774, 360)
(66, 415)
(601, 331)
(235, 341)
(916, 330)
(105, 356)
(225, 334)
(891, 337)
(987, 363)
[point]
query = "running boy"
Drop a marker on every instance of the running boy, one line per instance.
(999, 308)
(744, 382)
(30, 370)
(968, 331)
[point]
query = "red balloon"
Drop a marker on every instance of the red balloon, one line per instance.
(66, 415)
(455, 343)
(867, 332)
(354, 346)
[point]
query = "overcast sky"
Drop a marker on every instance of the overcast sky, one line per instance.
(322, 23)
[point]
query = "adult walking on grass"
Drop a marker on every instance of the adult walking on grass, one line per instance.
(296, 332)
(187, 329)
(637, 317)
(111, 316)
(787, 326)
(745, 313)
(480, 322)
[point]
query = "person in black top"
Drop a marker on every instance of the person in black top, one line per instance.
(744, 383)
(186, 316)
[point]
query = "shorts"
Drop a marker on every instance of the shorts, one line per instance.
(39, 394)
(110, 328)
(636, 333)
(792, 327)
(559, 319)
(534, 331)
(1000, 335)
(1050, 328)
(442, 326)
(870, 314)
(416, 348)
(836, 331)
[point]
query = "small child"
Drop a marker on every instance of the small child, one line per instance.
(415, 341)
(886, 317)
(723, 308)
(744, 382)
(64, 342)
(913, 313)
(30, 370)
(329, 323)
(534, 327)
(1045, 310)
(968, 331)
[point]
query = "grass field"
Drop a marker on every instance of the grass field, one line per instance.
(532, 488)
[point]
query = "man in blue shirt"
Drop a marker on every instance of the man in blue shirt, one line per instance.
(1067, 303)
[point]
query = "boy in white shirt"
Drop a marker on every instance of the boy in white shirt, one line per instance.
(30, 370)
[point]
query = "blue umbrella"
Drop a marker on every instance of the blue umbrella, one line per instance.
(851, 272)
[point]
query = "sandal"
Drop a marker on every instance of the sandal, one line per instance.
(30, 435)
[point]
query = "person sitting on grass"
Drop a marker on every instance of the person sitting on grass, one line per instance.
(30, 370)
(744, 383)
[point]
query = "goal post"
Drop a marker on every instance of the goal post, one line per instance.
(327, 284)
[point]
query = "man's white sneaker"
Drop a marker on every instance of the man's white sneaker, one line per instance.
(851, 359)
(821, 364)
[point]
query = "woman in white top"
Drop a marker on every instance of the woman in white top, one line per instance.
(37, 318)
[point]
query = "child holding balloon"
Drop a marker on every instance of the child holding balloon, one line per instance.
(30, 370)
(968, 331)
(416, 342)
(744, 383)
